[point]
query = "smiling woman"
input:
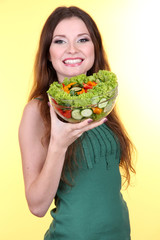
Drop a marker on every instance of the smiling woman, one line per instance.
(72, 49)
(73, 163)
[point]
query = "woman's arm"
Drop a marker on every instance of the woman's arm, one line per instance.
(42, 165)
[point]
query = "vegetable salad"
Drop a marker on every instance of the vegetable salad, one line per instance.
(84, 96)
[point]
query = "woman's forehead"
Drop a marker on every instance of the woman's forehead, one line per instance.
(68, 25)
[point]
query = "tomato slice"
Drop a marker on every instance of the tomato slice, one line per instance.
(67, 113)
(59, 110)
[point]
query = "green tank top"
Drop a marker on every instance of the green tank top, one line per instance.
(93, 209)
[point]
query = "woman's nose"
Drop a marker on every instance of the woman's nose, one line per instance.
(72, 48)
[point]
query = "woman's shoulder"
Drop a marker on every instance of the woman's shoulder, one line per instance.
(31, 121)
(31, 112)
(32, 107)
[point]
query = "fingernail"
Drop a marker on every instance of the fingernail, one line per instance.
(90, 120)
(49, 104)
(105, 120)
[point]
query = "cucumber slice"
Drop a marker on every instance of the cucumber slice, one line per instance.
(76, 114)
(86, 112)
(102, 103)
(109, 106)
(76, 89)
(95, 100)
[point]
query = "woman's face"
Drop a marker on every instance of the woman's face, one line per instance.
(71, 50)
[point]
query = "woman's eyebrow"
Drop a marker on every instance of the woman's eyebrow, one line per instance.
(79, 35)
(59, 36)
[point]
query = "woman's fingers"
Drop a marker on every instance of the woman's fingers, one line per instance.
(52, 111)
(88, 124)
(79, 126)
(54, 118)
(94, 124)
(69, 131)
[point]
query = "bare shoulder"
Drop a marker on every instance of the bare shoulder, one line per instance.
(31, 124)
(32, 109)
(31, 114)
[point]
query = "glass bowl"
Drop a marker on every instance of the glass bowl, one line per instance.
(75, 110)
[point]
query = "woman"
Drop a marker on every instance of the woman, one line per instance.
(75, 164)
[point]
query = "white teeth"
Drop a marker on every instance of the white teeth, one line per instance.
(72, 61)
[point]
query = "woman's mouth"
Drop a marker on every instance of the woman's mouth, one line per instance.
(73, 62)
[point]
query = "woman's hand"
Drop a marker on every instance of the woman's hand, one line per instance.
(64, 134)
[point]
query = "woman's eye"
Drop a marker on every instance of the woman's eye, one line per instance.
(59, 41)
(83, 40)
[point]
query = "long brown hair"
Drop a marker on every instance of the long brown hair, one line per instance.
(45, 74)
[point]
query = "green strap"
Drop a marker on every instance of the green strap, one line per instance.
(41, 99)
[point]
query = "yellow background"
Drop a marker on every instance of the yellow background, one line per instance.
(130, 30)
